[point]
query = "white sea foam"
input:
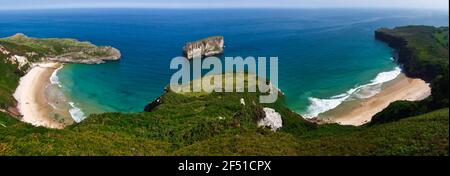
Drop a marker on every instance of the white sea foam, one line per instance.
(386, 76)
(76, 113)
(318, 106)
(54, 78)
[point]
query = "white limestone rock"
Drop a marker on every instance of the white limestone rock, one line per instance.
(272, 120)
(242, 101)
(203, 48)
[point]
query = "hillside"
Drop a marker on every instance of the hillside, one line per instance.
(423, 53)
(423, 50)
(9, 80)
(217, 124)
(59, 50)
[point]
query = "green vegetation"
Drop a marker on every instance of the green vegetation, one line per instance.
(423, 50)
(9, 80)
(414, 136)
(38, 50)
(60, 49)
(442, 36)
(398, 110)
(217, 124)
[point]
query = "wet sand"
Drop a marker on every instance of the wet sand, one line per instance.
(30, 95)
(359, 112)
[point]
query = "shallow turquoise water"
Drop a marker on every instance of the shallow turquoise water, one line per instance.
(322, 53)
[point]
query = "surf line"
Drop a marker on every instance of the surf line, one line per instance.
(318, 106)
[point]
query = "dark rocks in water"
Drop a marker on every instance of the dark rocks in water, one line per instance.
(204, 48)
(158, 101)
(150, 107)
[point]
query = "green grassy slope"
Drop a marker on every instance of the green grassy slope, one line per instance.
(423, 135)
(442, 36)
(36, 50)
(422, 49)
(9, 80)
(216, 124)
(180, 121)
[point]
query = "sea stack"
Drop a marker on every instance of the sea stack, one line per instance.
(203, 48)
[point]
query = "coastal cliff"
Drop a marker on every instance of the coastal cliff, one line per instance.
(228, 123)
(216, 123)
(423, 53)
(205, 47)
(422, 50)
(108, 53)
(20, 54)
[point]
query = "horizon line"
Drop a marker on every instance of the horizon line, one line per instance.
(216, 7)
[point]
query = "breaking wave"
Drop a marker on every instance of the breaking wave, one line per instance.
(318, 106)
(54, 78)
(76, 113)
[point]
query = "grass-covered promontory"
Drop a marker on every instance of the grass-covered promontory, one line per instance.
(9, 79)
(423, 50)
(217, 124)
(18, 52)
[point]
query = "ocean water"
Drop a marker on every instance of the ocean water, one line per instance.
(325, 55)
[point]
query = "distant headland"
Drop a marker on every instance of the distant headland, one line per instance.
(62, 50)
(37, 61)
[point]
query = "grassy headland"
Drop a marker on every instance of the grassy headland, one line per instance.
(423, 52)
(217, 124)
(59, 50)
(19, 52)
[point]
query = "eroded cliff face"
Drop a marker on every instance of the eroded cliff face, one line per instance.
(405, 41)
(88, 57)
(203, 48)
(400, 45)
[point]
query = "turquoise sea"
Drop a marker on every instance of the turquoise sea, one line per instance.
(324, 54)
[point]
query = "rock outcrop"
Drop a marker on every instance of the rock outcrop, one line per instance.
(22, 62)
(3, 50)
(57, 50)
(108, 54)
(151, 106)
(272, 119)
(203, 48)
(155, 103)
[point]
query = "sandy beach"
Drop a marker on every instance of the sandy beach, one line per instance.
(30, 95)
(359, 112)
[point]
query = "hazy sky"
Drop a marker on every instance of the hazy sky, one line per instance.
(36, 4)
